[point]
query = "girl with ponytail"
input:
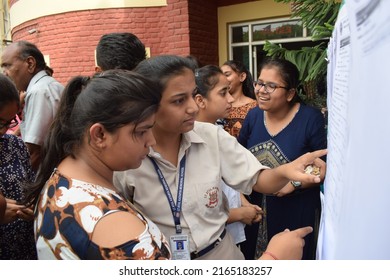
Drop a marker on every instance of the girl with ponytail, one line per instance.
(103, 125)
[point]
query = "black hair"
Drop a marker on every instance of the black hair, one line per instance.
(114, 99)
(119, 51)
(27, 49)
(247, 85)
(8, 92)
(49, 71)
(287, 70)
(206, 78)
(163, 67)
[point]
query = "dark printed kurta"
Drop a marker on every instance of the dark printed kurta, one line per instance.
(305, 133)
(233, 123)
(17, 237)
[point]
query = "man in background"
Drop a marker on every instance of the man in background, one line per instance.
(24, 63)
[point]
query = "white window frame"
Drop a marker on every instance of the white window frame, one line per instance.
(251, 43)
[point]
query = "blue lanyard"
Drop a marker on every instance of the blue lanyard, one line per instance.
(176, 209)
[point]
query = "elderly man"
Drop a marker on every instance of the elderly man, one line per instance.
(24, 63)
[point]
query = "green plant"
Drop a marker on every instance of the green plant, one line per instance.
(319, 17)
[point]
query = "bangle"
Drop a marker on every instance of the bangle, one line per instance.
(271, 255)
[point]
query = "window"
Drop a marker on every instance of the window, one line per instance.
(240, 34)
(277, 30)
(246, 40)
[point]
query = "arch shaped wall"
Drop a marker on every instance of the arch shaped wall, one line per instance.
(67, 33)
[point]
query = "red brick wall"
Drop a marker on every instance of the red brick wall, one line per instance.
(70, 38)
(203, 25)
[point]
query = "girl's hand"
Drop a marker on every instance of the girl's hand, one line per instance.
(287, 245)
(287, 189)
(295, 170)
(11, 211)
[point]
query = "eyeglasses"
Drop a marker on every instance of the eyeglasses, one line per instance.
(10, 124)
(269, 88)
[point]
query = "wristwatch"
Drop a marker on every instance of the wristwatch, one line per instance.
(296, 184)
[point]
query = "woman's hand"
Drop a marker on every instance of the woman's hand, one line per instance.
(273, 180)
(255, 213)
(287, 189)
(26, 213)
(287, 245)
(14, 211)
(251, 214)
(295, 170)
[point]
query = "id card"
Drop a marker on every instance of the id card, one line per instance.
(180, 247)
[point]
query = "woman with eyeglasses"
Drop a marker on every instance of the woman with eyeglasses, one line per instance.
(277, 132)
(16, 229)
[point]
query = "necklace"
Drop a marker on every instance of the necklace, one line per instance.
(274, 135)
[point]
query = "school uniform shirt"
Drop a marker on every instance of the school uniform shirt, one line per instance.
(212, 154)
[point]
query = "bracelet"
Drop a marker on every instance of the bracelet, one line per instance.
(271, 255)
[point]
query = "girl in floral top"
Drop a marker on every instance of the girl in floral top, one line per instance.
(103, 125)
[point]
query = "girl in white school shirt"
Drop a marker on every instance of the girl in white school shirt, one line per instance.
(215, 102)
(180, 180)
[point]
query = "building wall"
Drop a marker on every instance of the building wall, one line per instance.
(69, 39)
(203, 22)
(41, 8)
(67, 31)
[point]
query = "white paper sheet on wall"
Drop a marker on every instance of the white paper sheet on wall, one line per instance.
(357, 191)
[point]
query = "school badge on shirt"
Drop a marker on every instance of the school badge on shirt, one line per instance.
(212, 197)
